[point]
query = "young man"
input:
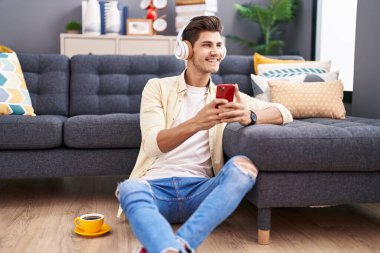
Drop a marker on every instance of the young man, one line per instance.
(180, 175)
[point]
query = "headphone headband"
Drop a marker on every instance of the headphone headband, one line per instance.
(180, 34)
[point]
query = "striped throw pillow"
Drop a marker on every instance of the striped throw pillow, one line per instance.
(278, 70)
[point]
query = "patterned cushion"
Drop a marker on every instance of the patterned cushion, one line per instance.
(261, 89)
(260, 59)
(14, 95)
(291, 69)
(311, 100)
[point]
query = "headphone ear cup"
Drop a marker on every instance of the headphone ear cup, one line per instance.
(189, 49)
(180, 50)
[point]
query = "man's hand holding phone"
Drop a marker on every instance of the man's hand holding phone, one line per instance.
(232, 111)
(223, 109)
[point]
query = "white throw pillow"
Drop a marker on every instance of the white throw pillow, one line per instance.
(260, 83)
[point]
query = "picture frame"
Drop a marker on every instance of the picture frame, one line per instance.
(139, 26)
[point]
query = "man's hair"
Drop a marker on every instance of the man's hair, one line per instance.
(200, 24)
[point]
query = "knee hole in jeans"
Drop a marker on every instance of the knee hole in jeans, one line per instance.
(246, 166)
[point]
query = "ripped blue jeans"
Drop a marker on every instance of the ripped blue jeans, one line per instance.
(200, 204)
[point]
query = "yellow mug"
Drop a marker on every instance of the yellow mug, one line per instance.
(91, 222)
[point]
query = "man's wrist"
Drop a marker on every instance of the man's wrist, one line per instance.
(192, 125)
(253, 118)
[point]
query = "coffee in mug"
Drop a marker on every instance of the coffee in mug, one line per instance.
(91, 217)
(91, 222)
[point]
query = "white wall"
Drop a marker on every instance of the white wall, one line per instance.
(34, 26)
(336, 28)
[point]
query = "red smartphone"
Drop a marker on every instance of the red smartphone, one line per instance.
(226, 91)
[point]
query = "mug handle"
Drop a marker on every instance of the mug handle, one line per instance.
(78, 224)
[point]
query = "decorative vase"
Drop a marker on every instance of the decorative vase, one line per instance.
(92, 18)
(112, 18)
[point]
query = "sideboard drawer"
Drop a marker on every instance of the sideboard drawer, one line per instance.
(75, 46)
(72, 44)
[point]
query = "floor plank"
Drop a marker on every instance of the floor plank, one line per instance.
(36, 215)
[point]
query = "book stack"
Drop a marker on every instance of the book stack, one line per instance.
(187, 9)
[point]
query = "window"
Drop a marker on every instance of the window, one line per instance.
(335, 40)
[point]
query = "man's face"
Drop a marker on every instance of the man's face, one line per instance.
(207, 52)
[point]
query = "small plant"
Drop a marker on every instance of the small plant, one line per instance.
(73, 26)
(268, 18)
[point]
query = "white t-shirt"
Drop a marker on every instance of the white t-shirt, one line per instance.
(192, 158)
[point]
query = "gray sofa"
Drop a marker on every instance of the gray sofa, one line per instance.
(88, 125)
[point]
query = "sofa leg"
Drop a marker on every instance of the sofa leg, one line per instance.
(263, 237)
(263, 225)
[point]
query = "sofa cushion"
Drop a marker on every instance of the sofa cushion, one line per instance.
(119, 130)
(47, 79)
(315, 144)
(20, 132)
(104, 84)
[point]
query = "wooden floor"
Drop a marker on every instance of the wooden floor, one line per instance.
(36, 216)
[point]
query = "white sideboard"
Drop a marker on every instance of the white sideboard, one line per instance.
(72, 44)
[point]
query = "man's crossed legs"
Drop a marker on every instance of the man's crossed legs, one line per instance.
(200, 203)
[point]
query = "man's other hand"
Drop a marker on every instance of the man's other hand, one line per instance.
(209, 116)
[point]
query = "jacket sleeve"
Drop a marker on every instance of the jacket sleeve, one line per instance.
(152, 117)
(257, 104)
